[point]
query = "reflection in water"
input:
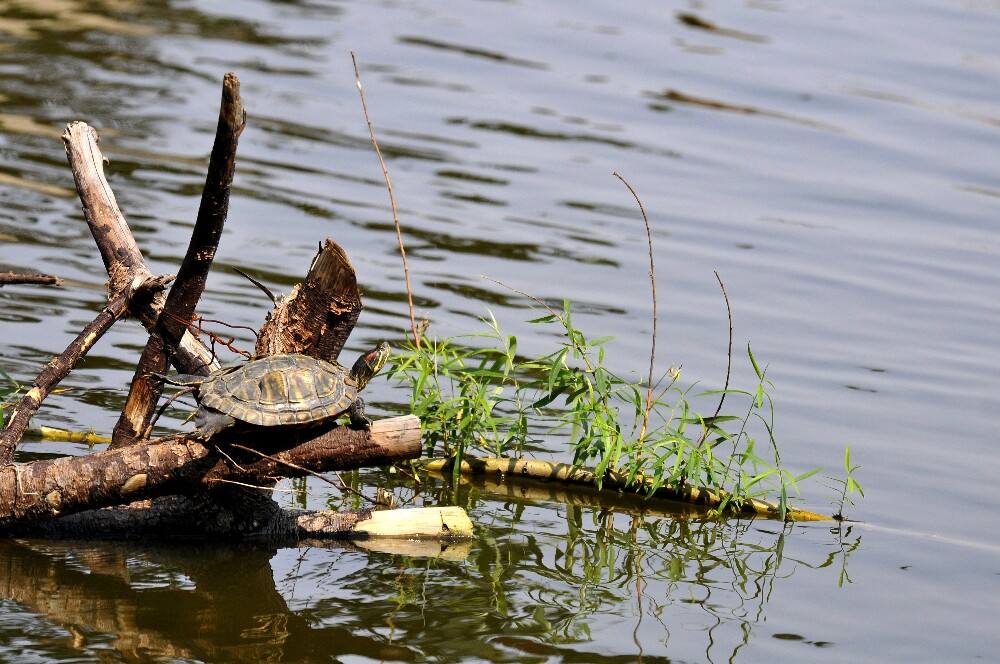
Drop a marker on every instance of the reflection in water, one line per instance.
(521, 595)
(207, 603)
(864, 136)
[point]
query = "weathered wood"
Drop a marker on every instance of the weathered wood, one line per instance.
(127, 270)
(179, 307)
(429, 522)
(55, 371)
(317, 316)
(10, 278)
(177, 465)
(183, 484)
(122, 258)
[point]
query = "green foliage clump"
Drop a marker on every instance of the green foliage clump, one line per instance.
(487, 398)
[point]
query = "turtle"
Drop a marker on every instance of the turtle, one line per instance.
(280, 390)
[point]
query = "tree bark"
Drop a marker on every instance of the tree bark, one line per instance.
(318, 315)
(9, 278)
(181, 465)
(178, 310)
(126, 268)
(54, 372)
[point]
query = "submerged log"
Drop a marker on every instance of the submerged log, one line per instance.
(203, 516)
(612, 481)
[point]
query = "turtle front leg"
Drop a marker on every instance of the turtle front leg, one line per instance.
(358, 419)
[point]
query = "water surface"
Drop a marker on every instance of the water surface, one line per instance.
(836, 164)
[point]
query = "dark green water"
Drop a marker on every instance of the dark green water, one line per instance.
(836, 164)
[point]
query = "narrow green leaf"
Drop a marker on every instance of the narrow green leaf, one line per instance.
(753, 361)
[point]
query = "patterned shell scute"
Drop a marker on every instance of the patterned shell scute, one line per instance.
(280, 390)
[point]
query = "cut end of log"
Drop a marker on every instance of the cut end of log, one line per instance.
(440, 523)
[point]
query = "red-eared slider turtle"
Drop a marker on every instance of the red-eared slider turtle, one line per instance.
(282, 389)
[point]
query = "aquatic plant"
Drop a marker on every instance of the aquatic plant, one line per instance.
(483, 396)
(846, 485)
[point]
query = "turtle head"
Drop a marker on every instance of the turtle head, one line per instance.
(369, 364)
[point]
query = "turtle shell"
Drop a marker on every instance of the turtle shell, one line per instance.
(280, 390)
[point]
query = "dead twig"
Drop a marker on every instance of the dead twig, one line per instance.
(392, 200)
(10, 278)
(729, 364)
(652, 352)
(341, 487)
(55, 371)
(553, 313)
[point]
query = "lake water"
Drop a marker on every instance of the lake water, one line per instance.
(836, 163)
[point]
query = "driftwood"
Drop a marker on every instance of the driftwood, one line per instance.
(9, 278)
(179, 485)
(56, 487)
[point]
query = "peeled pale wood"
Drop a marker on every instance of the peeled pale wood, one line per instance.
(563, 472)
(428, 523)
(417, 523)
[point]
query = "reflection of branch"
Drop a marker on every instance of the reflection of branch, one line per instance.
(97, 594)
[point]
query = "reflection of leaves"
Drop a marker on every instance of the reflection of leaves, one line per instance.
(548, 577)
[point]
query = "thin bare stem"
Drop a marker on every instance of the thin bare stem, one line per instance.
(392, 200)
(552, 312)
(652, 351)
(527, 295)
(729, 364)
(162, 409)
(343, 486)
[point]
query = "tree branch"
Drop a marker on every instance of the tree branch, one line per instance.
(9, 278)
(54, 372)
(182, 465)
(180, 303)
